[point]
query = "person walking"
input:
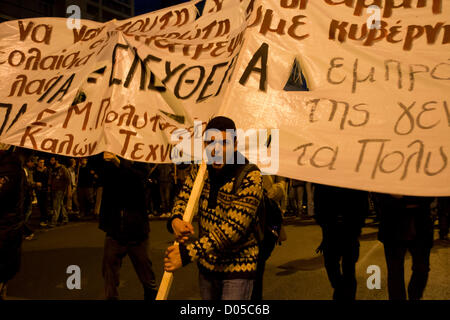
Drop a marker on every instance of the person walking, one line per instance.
(41, 177)
(86, 194)
(59, 185)
(341, 214)
(406, 225)
(124, 219)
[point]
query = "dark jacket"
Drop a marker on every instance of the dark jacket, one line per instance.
(340, 206)
(123, 213)
(404, 219)
(42, 177)
(85, 177)
(59, 179)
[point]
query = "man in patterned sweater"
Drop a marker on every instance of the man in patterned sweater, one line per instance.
(227, 250)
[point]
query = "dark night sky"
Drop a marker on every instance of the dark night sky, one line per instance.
(144, 6)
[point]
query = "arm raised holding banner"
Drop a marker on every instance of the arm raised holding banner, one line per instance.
(181, 227)
(227, 248)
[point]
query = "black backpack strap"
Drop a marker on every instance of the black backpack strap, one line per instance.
(243, 171)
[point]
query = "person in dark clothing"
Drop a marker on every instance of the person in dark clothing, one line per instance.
(41, 177)
(405, 224)
(341, 214)
(12, 193)
(152, 191)
(166, 182)
(123, 216)
(275, 188)
(86, 196)
(443, 214)
(60, 185)
(29, 195)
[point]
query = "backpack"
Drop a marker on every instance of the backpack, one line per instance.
(268, 217)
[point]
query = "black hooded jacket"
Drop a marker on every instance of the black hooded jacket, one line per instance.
(123, 213)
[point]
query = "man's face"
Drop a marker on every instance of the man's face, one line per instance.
(219, 148)
(52, 160)
(30, 163)
(84, 161)
(41, 163)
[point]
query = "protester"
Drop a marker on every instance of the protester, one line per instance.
(227, 249)
(277, 192)
(60, 185)
(29, 195)
(166, 182)
(12, 194)
(153, 198)
(86, 194)
(72, 198)
(443, 216)
(310, 187)
(182, 170)
(341, 215)
(406, 225)
(41, 177)
(50, 167)
(123, 216)
(296, 191)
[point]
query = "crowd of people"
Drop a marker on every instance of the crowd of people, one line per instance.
(122, 195)
(65, 189)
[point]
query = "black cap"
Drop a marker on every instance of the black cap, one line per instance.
(221, 123)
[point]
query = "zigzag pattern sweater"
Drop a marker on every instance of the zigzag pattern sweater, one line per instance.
(227, 247)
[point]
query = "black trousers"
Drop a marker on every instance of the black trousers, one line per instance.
(340, 253)
(257, 293)
(395, 261)
(86, 200)
(443, 215)
(42, 197)
(114, 252)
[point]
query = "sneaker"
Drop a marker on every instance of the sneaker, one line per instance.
(43, 224)
(30, 237)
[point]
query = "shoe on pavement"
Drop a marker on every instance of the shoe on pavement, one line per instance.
(43, 224)
(30, 237)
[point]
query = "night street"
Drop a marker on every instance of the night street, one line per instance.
(294, 272)
(307, 122)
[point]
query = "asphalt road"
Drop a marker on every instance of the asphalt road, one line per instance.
(294, 271)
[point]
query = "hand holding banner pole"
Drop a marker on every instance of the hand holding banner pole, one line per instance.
(167, 278)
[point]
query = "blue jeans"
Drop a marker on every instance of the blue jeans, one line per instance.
(233, 289)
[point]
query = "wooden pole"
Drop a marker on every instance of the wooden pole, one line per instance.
(167, 278)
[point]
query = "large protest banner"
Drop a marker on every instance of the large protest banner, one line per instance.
(123, 86)
(370, 108)
(365, 108)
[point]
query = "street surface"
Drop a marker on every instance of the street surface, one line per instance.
(293, 272)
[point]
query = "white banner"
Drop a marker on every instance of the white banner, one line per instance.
(359, 93)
